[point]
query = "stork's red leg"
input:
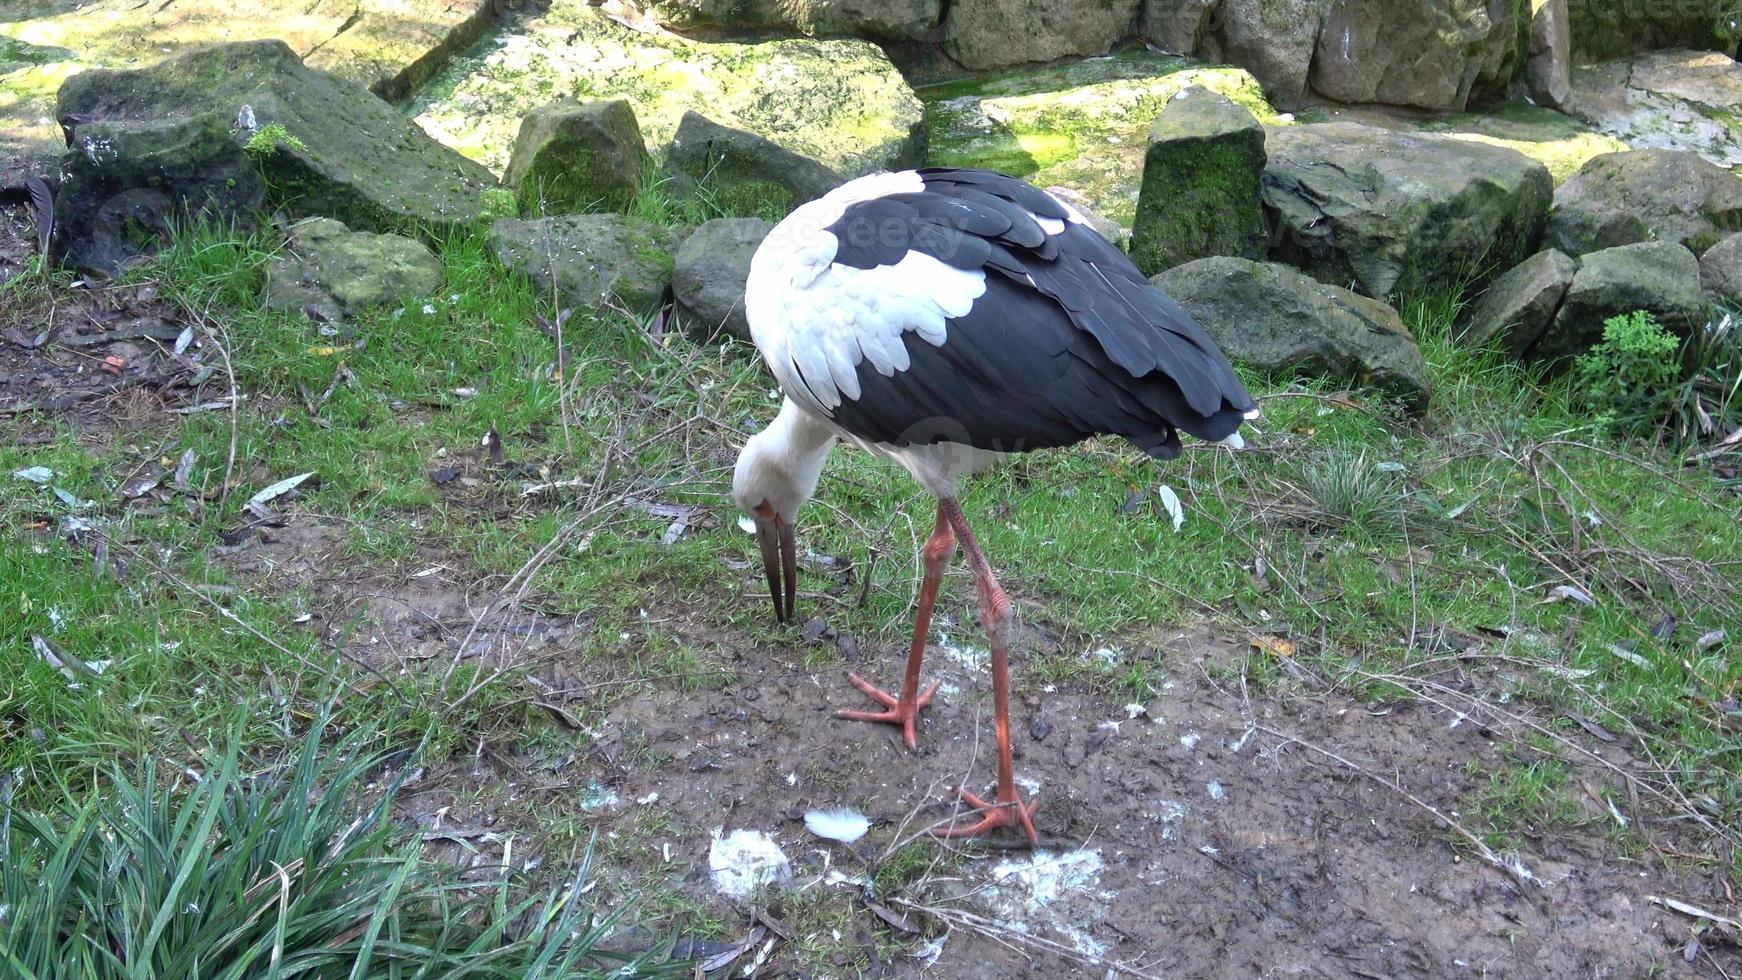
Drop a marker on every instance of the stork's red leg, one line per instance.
(1006, 809)
(904, 711)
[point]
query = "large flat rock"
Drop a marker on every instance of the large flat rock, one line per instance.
(837, 101)
(1084, 126)
(343, 152)
(1395, 214)
(1670, 100)
(387, 46)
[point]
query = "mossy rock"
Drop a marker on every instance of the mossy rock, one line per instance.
(837, 101)
(1400, 214)
(126, 182)
(573, 156)
(1646, 195)
(1661, 278)
(1083, 125)
(1607, 28)
(1275, 319)
(1200, 184)
(348, 154)
(748, 175)
(331, 272)
(594, 260)
(1519, 306)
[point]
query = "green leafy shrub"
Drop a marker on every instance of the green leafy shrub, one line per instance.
(1628, 379)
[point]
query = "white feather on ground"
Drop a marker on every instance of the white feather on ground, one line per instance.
(843, 824)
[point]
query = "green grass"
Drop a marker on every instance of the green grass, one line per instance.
(293, 870)
(1361, 534)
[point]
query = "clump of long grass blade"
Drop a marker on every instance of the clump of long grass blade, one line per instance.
(291, 873)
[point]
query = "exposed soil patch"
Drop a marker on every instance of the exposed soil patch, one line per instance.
(100, 357)
(1184, 836)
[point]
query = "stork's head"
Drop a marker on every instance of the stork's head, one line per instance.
(776, 473)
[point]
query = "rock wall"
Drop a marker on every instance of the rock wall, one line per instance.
(1428, 54)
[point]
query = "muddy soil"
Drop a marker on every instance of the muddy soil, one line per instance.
(1191, 835)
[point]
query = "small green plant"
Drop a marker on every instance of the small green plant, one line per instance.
(1627, 380)
(1707, 405)
(269, 138)
(1355, 493)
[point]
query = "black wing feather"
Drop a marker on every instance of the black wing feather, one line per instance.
(1068, 341)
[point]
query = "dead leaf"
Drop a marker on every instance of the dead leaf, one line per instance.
(1276, 646)
(445, 474)
(41, 211)
(276, 490)
(894, 919)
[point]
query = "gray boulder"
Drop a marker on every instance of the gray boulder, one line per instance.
(1431, 53)
(747, 173)
(1517, 307)
(894, 20)
(1645, 195)
(1400, 213)
(573, 155)
(1661, 278)
(1199, 195)
(984, 34)
(595, 260)
(327, 146)
(329, 271)
(710, 269)
(1721, 272)
(1273, 39)
(1548, 69)
(125, 182)
(1275, 319)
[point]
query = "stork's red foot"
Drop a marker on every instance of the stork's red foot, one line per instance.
(903, 713)
(1001, 812)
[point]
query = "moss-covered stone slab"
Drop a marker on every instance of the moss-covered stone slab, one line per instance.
(1672, 100)
(1200, 184)
(327, 146)
(838, 101)
(1611, 28)
(329, 272)
(594, 260)
(388, 46)
(572, 156)
(125, 182)
(1082, 125)
(1275, 319)
(1661, 278)
(747, 175)
(1396, 214)
(1646, 195)
(385, 45)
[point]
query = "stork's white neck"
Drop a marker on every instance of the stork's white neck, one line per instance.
(782, 463)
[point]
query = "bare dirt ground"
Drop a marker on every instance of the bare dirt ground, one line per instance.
(1208, 832)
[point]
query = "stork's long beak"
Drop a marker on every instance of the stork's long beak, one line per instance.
(779, 561)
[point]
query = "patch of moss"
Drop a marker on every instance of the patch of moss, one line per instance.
(1199, 198)
(270, 137)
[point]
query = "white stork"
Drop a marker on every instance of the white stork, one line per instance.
(942, 318)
